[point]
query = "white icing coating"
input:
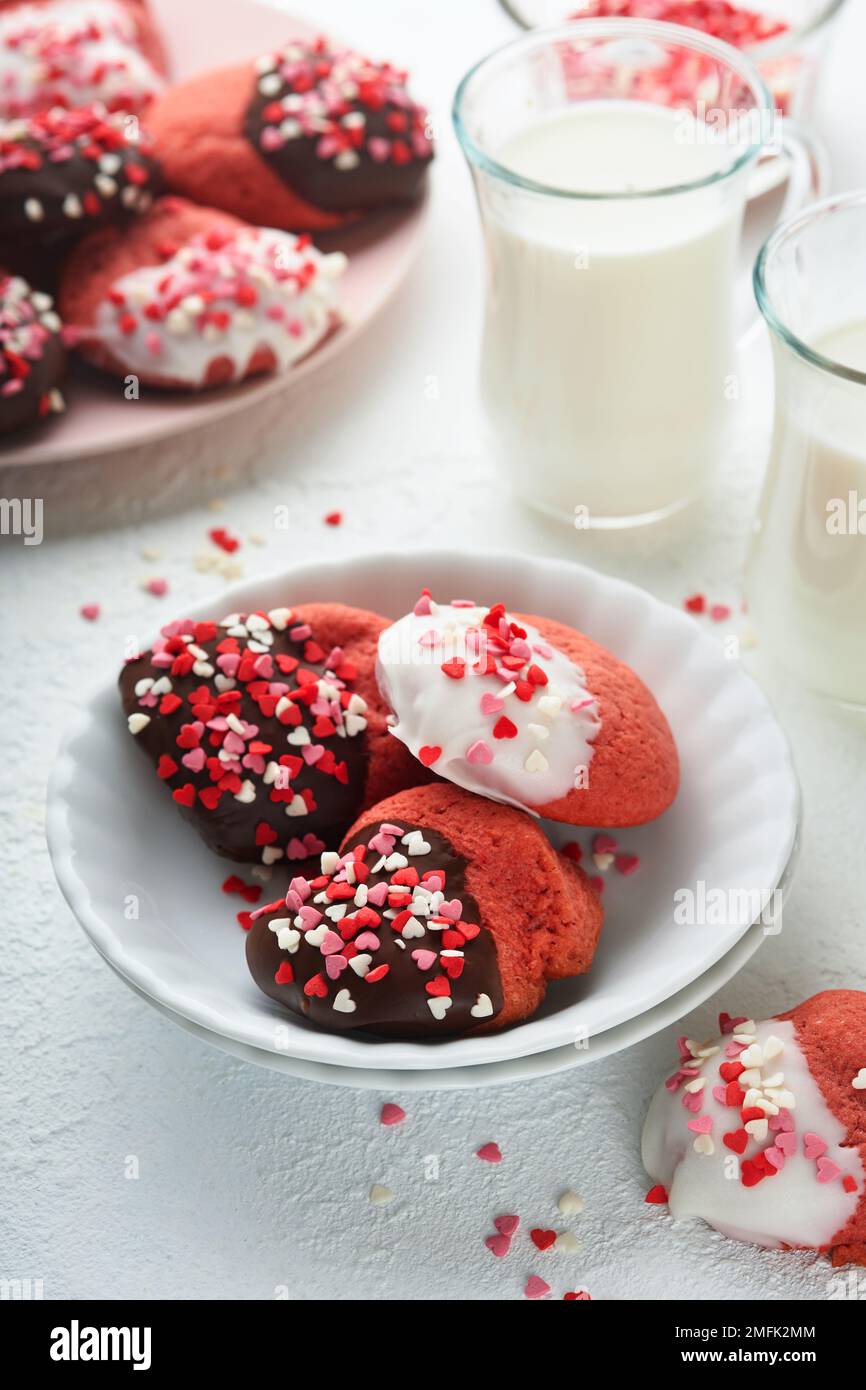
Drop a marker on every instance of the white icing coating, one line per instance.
(82, 50)
(552, 749)
(292, 313)
(791, 1208)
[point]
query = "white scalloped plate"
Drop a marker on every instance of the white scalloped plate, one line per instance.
(113, 836)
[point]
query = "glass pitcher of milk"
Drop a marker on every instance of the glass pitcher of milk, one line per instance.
(806, 575)
(612, 207)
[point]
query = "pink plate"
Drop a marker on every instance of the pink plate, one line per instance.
(98, 420)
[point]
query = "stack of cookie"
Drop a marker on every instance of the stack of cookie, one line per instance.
(172, 223)
(398, 773)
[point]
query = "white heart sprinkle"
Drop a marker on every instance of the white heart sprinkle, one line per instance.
(412, 929)
(439, 1006)
(570, 1204)
(567, 1243)
(773, 1047)
(752, 1057)
(704, 1144)
(297, 807)
(137, 722)
(758, 1129)
(271, 853)
(483, 1007)
(361, 964)
(536, 762)
(859, 1081)
(246, 794)
(280, 618)
(380, 1195)
(344, 1003)
(316, 935)
(299, 737)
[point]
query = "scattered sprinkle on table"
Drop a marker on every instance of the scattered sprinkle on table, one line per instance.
(391, 1114)
(536, 1288)
(333, 518)
(380, 1195)
(157, 587)
(489, 1153)
(570, 1204)
(90, 611)
(224, 539)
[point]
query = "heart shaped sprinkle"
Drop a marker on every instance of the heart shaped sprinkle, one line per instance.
(391, 1114)
(813, 1145)
(657, 1196)
(541, 1239)
(535, 1287)
(737, 1140)
(859, 1081)
(491, 704)
(498, 1245)
(828, 1171)
(506, 1225)
(479, 752)
(429, 754)
(489, 1153)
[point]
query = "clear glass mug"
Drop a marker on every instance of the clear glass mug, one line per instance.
(789, 54)
(806, 571)
(607, 365)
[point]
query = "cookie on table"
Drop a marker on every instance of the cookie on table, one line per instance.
(76, 52)
(267, 729)
(186, 297)
(305, 139)
(784, 1101)
(442, 913)
(32, 356)
(64, 173)
(528, 711)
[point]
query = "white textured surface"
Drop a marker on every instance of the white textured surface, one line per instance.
(247, 1180)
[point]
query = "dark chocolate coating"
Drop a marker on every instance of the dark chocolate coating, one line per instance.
(395, 1006)
(230, 828)
(78, 175)
(370, 184)
(45, 371)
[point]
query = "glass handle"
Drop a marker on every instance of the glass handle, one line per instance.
(802, 157)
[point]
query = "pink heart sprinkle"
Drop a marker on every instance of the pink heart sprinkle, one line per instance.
(604, 844)
(422, 608)
(491, 704)
(498, 1245)
(424, 959)
(367, 941)
(331, 943)
(377, 895)
(489, 1153)
(90, 611)
(452, 910)
(828, 1171)
(702, 1125)
(813, 1145)
(734, 1049)
(479, 752)
(334, 966)
(312, 752)
(309, 916)
(720, 1094)
(535, 1287)
(391, 1114)
(786, 1143)
(692, 1100)
(775, 1158)
(506, 1225)
(194, 759)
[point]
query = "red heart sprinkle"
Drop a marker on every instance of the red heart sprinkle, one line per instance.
(455, 668)
(542, 1240)
(316, 988)
(429, 754)
(657, 1196)
(489, 1153)
(166, 767)
(729, 1071)
(504, 728)
(391, 1114)
(264, 834)
(849, 1183)
(185, 795)
(439, 987)
(736, 1139)
(285, 975)
(245, 919)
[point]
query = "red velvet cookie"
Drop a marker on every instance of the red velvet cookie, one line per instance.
(528, 711)
(442, 913)
(76, 52)
(186, 297)
(64, 173)
(32, 358)
(786, 1101)
(268, 729)
(305, 139)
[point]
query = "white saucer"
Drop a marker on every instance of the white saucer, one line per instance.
(115, 840)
